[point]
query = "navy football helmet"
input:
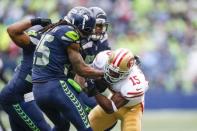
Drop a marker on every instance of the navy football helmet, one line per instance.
(82, 19)
(101, 23)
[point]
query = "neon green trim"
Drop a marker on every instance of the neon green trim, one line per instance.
(72, 35)
(87, 109)
(25, 118)
(77, 104)
(32, 33)
(75, 85)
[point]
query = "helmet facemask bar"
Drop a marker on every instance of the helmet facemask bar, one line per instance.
(100, 29)
(113, 74)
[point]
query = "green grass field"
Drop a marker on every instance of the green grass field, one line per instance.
(158, 120)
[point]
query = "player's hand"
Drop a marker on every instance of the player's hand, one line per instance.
(101, 84)
(41, 21)
(91, 89)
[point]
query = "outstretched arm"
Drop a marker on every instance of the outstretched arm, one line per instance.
(111, 105)
(79, 65)
(17, 33)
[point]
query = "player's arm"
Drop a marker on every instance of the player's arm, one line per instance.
(111, 105)
(17, 33)
(79, 65)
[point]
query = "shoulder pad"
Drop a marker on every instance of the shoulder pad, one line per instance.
(100, 60)
(72, 35)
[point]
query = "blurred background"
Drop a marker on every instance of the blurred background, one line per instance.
(162, 32)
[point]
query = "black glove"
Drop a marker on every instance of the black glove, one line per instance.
(101, 84)
(40, 21)
(91, 88)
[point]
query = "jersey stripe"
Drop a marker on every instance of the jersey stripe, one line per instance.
(135, 96)
(134, 93)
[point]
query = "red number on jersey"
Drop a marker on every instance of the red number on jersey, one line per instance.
(134, 80)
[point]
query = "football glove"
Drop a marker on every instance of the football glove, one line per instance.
(101, 84)
(91, 89)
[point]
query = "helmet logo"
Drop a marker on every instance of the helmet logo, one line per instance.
(85, 17)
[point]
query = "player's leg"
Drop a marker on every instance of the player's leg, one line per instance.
(88, 101)
(7, 99)
(131, 118)
(27, 115)
(72, 108)
(18, 118)
(14, 125)
(61, 124)
(46, 99)
(100, 120)
(34, 113)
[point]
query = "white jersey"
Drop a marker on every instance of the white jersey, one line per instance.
(132, 88)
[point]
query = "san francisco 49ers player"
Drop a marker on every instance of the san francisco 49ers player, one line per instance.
(127, 85)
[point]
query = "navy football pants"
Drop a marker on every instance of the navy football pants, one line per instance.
(57, 98)
(22, 116)
(26, 116)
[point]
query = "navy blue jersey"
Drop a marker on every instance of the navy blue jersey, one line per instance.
(25, 67)
(92, 48)
(51, 59)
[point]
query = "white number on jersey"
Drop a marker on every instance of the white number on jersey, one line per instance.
(43, 51)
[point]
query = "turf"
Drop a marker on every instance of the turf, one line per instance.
(157, 120)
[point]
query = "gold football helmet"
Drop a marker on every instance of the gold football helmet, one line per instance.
(119, 65)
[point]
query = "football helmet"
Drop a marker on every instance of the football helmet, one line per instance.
(101, 23)
(119, 65)
(81, 18)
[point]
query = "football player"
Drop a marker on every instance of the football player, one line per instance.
(57, 50)
(23, 115)
(98, 42)
(127, 84)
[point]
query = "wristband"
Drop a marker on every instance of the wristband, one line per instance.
(114, 106)
(75, 85)
(35, 21)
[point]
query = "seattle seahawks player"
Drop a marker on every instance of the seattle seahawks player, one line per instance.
(98, 42)
(23, 116)
(57, 50)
